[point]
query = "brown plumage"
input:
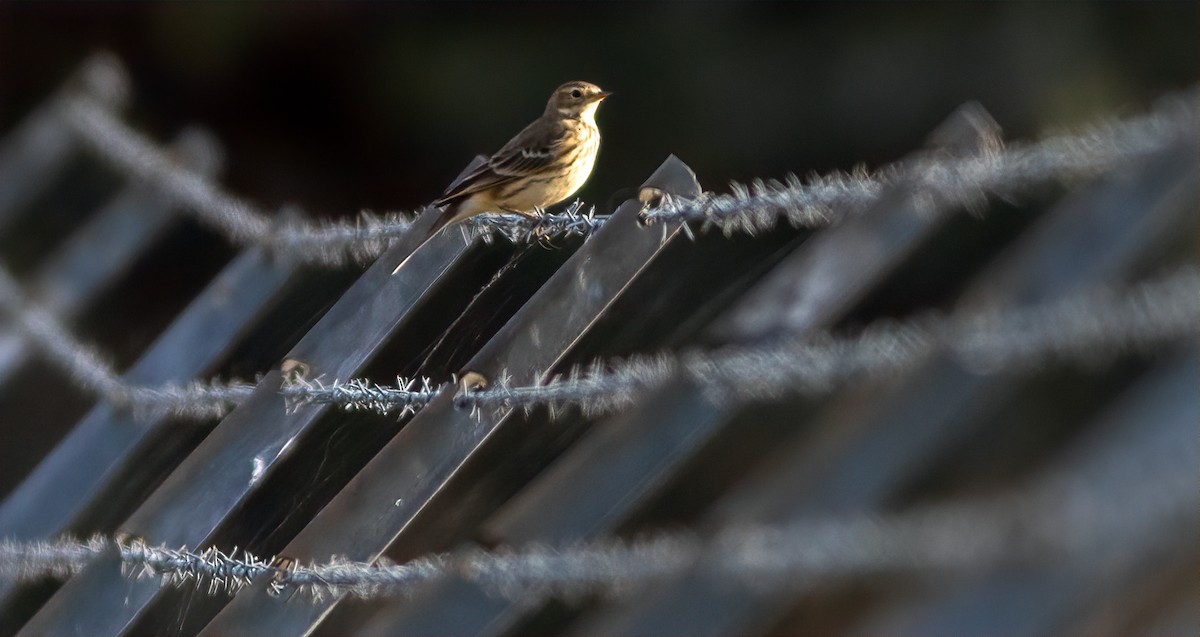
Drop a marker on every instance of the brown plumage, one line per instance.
(544, 164)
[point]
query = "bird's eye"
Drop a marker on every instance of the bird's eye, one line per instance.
(576, 93)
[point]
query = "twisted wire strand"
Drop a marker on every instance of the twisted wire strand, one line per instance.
(242, 222)
(1066, 518)
(89, 370)
(407, 396)
(1088, 327)
(329, 243)
(575, 220)
(941, 184)
(86, 365)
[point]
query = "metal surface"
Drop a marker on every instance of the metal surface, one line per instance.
(900, 432)
(258, 437)
(207, 331)
(1155, 418)
(33, 154)
(97, 255)
(606, 478)
(100, 472)
(313, 483)
(410, 477)
(837, 267)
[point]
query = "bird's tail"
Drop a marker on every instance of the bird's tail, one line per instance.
(449, 215)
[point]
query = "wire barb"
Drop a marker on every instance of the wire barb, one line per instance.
(1065, 517)
(328, 243)
(1104, 322)
(938, 183)
(941, 184)
(573, 221)
(408, 396)
(1101, 323)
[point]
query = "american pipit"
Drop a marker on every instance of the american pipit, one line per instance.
(544, 164)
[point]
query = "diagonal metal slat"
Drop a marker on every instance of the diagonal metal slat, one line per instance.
(411, 475)
(837, 267)
(1156, 419)
(40, 146)
(258, 437)
(97, 475)
(96, 256)
(907, 427)
(205, 332)
(603, 480)
(450, 480)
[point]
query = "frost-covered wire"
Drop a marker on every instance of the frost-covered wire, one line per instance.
(332, 243)
(1086, 327)
(25, 561)
(407, 396)
(91, 372)
(575, 220)
(1065, 518)
(941, 184)
(937, 183)
(87, 367)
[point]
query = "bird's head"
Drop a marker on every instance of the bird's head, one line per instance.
(576, 100)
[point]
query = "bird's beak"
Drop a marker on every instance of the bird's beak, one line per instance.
(601, 96)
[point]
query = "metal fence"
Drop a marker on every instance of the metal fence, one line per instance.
(956, 394)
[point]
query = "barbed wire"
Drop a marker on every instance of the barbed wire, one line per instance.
(938, 184)
(89, 370)
(941, 183)
(1087, 327)
(242, 222)
(572, 221)
(331, 243)
(1070, 519)
(1066, 517)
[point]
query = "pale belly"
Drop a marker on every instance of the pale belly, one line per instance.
(553, 188)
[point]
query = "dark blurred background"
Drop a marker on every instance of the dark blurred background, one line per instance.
(343, 106)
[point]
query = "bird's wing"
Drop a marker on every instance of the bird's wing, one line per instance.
(529, 152)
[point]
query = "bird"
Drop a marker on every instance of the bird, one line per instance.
(545, 163)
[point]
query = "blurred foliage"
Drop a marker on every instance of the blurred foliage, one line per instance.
(340, 106)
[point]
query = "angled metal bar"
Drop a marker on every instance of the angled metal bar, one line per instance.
(109, 242)
(32, 154)
(409, 479)
(256, 439)
(1099, 234)
(206, 331)
(837, 266)
(603, 479)
(1155, 419)
(96, 475)
(1164, 604)
(97, 255)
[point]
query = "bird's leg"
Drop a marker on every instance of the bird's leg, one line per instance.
(523, 213)
(542, 230)
(539, 232)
